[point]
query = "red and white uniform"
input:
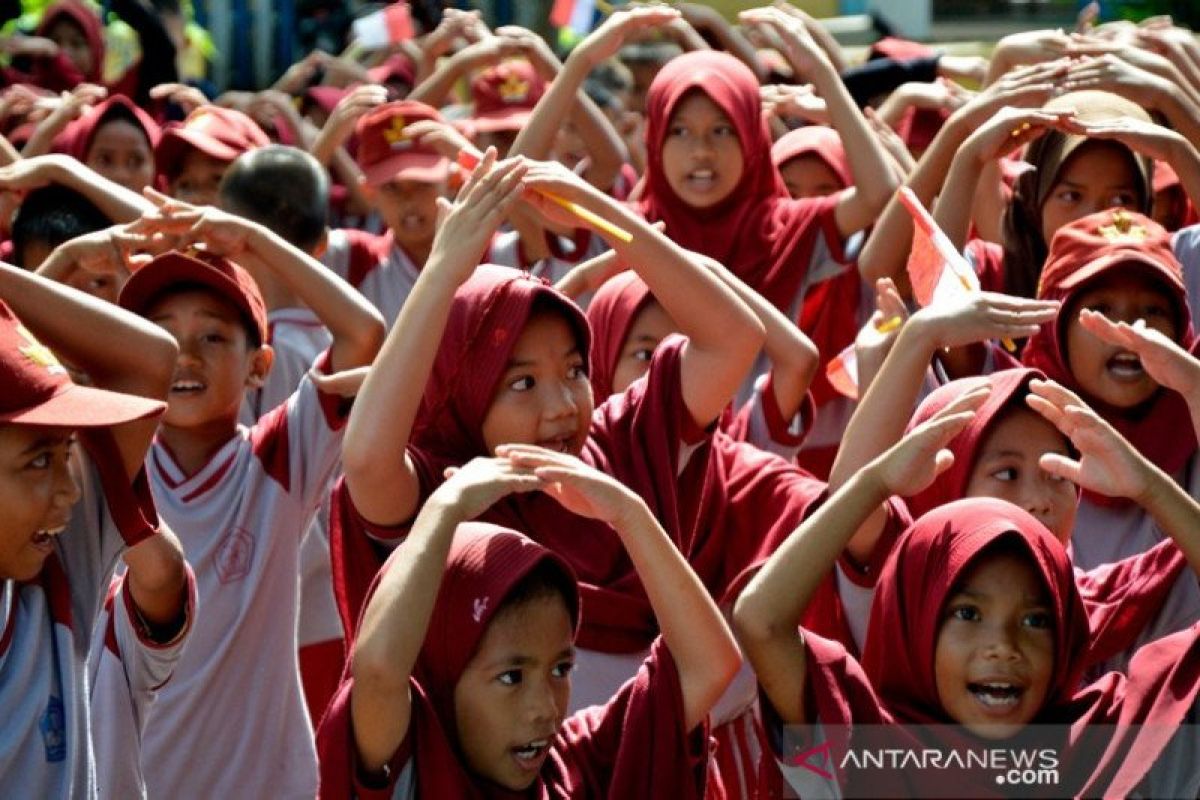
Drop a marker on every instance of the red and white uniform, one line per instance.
(46, 624)
(232, 722)
(375, 266)
(298, 337)
(127, 670)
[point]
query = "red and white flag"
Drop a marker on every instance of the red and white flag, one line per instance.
(936, 269)
(842, 372)
(386, 27)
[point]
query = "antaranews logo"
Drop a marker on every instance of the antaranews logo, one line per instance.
(925, 761)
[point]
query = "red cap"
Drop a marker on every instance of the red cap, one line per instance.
(397, 67)
(505, 95)
(222, 133)
(38, 390)
(385, 153)
(1088, 246)
(197, 267)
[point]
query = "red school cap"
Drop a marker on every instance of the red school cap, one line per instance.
(39, 391)
(1087, 247)
(222, 133)
(504, 96)
(197, 267)
(386, 152)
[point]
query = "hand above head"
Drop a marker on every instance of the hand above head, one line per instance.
(912, 464)
(1107, 463)
(604, 42)
(470, 221)
(580, 489)
(1162, 358)
(981, 316)
(476, 486)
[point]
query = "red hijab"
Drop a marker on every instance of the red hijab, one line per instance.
(634, 437)
(611, 315)
(1121, 599)
(1008, 390)
(484, 565)
(1088, 250)
(814, 140)
(60, 73)
(897, 683)
(78, 136)
(758, 232)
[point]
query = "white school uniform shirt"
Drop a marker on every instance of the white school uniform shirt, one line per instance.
(505, 251)
(375, 266)
(127, 669)
(232, 722)
(1186, 245)
(45, 634)
(299, 337)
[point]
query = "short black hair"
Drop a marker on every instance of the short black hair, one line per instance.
(283, 188)
(253, 339)
(52, 215)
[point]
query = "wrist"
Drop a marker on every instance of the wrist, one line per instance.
(1155, 489)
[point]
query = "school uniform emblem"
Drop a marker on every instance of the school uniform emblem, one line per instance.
(234, 556)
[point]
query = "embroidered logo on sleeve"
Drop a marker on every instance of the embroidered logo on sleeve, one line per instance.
(234, 556)
(54, 730)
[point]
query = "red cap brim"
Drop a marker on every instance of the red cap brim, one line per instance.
(509, 119)
(1094, 268)
(423, 167)
(85, 407)
(145, 285)
(176, 141)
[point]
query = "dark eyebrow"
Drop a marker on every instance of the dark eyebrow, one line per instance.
(48, 440)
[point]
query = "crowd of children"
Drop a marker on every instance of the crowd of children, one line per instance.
(453, 420)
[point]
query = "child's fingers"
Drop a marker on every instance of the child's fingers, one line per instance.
(1050, 411)
(482, 169)
(1056, 392)
(1060, 466)
(969, 401)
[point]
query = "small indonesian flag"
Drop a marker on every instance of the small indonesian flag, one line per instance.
(937, 271)
(383, 28)
(576, 15)
(842, 372)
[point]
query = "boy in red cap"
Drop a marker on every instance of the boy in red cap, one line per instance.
(403, 178)
(504, 96)
(233, 723)
(74, 501)
(193, 156)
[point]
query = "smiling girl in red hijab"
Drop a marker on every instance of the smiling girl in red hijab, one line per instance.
(460, 679)
(977, 622)
(486, 356)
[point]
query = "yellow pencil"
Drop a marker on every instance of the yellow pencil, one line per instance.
(469, 160)
(588, 216)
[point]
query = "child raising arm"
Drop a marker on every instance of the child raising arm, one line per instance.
(396, 619)
(765, 616)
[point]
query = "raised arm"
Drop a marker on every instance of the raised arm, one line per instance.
(887, 247)
(874, 182)
(397, 616)
(114, 201)
(1166, 362)
(724, 335)
(356, 327)
(1109, 465)
(883, 412)
(691, 625)
(767, 614)
(117, 349)
(379, 474)
(563, 101)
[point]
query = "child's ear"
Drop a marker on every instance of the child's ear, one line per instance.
(260, 366)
